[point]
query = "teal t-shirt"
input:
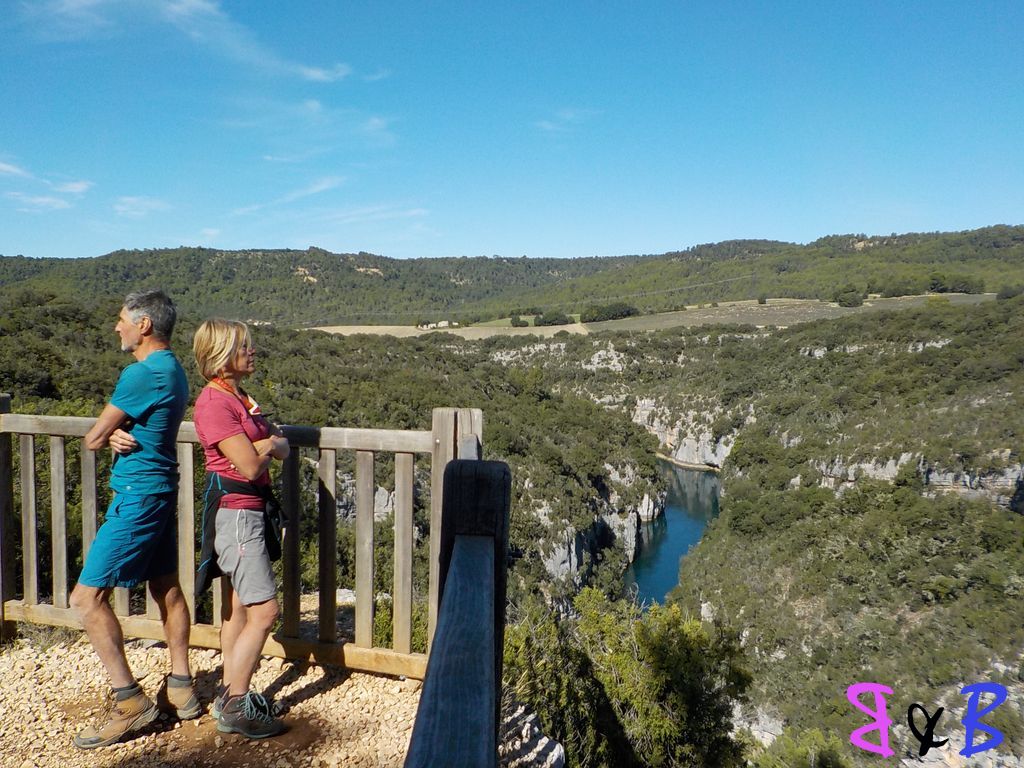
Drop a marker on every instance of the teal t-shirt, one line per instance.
(154, 393)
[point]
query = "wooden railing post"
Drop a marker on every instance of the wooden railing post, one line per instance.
(327, 576)
(290, 573)
(366, 596)
(8, 629)
(443, 430)
(454, 430)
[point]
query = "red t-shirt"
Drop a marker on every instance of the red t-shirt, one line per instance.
(218, 416)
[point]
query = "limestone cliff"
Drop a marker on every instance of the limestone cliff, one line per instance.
(689, 439)
(628, 500)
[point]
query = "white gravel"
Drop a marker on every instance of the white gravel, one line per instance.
(335, 717)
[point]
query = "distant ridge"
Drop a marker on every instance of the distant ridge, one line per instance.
(316, 287)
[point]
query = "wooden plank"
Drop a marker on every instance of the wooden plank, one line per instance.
(29, 523)
(444, 451)
(290, 546)
(122, 601)
(327, 578)
(90, 502)
(356, 439)
(221, 589)
(335, 438)
(377, 660)
(69, 426)
(470, 429)
(402, 621)
(62, 426)
(376, 440)
(217, 589)
(469, 447)
(187, 433)
(8, 629)
(58, 523)
(187, 527)
(456, 719)
(470, 424)
(365, 592)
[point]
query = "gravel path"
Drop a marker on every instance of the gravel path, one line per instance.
(335, 717)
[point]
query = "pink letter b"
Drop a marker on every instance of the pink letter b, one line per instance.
(881, 723)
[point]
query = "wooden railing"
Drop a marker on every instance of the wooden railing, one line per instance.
(450, 428)
(459, 709)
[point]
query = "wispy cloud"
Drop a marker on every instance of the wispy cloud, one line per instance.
(566, 119)
(34, 202)
(74, 187)
(294, 157)
(319, 75)
(316, 188)
(375, 213)
(298, 130)
(68, 19)
(37, 203)
(378, 129)
(204, 22)
(138, 207)
(7, 169)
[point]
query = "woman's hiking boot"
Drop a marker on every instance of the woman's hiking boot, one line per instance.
(275, 708)
(126, 715)
(250, 715)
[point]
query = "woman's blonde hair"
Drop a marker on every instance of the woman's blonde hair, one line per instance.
(216, 343)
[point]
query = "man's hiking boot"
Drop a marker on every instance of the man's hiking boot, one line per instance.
(127, 715)
(249, 715)
(179, 699)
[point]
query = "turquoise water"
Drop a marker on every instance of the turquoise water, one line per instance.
(692, 502)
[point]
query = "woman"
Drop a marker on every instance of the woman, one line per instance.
(239, 444)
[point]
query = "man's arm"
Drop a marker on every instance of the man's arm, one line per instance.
(107, 431)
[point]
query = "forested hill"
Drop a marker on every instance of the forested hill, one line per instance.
(316, 287)
(311, 287)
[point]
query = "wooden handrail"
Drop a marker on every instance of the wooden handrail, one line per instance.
(440, 444)
(458, 714)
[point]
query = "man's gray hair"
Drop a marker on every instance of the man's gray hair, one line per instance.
(157, 307)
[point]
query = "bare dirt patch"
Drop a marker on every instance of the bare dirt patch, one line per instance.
(776, 312)
(471, 332)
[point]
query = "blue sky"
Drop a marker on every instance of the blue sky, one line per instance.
(414, 129)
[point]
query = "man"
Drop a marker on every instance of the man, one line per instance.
(138, 539)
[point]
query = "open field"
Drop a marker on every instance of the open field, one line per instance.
(471, 332)
(778, 312)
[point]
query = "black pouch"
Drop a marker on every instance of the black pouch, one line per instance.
(274, 524)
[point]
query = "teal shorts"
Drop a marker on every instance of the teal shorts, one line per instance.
(138, 541)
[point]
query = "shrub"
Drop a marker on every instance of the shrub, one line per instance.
(597, 313)
(553, 317)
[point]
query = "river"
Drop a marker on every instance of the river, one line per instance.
(692, 502)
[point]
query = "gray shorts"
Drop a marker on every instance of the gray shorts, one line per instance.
(242, 554)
